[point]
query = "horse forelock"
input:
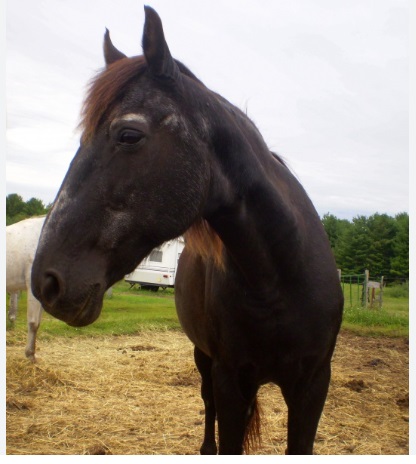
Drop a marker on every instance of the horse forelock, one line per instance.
(105, 89)
(108, 86)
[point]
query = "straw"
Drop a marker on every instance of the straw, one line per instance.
(141, 395)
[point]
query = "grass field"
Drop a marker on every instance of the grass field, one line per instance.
(129, 311)
(392, 319)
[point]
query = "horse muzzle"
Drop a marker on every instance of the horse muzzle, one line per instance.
(77, 310)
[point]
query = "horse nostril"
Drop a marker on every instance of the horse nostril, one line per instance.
(51, 288)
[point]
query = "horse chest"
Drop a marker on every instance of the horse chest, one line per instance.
(226, 320)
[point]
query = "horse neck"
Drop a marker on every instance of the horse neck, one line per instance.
(251, 216)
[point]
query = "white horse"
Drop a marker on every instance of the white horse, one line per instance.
(21, 243)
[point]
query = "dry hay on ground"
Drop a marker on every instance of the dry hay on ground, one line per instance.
(140, 395)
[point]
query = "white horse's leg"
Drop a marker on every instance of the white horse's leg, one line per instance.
(34, 315)
(13, 306)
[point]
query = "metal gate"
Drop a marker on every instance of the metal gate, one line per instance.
(359, 291)
(354, 288)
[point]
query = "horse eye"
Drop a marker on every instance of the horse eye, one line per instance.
(130, 137)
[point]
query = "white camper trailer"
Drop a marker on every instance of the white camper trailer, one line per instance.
(158, 269)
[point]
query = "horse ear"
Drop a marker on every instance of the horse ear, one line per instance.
(111, 54)
(155, 48)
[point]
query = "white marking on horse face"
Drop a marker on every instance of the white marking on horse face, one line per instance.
(60, 205)
(131, 117)
(55, 216)
(175, 122)
(171, 120)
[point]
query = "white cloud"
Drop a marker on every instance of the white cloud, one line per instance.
(326, 82)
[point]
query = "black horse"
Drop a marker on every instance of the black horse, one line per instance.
(257, 290)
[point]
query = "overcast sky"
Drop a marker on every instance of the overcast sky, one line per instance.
(325, 81)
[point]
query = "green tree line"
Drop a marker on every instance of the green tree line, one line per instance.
(379, 243)
(17, 209)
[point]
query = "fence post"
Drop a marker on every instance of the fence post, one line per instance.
(381, 292)
(365, 286)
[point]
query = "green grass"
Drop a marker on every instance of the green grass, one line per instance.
(130, 311)
(391, 320)
(127, 311)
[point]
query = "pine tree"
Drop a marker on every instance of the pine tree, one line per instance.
(400, 260)
(351, 253)
(382, 230)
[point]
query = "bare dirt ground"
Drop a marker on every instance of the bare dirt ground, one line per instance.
(140, 395)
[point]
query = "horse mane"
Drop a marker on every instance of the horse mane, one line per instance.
(202, 240)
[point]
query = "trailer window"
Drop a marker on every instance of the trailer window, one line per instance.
(156, 255)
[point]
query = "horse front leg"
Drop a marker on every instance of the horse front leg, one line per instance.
(13, 306)
(34, 315)
(204, 365)
(235, 401)
(305, 400)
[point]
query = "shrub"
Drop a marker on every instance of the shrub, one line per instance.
(398, 290)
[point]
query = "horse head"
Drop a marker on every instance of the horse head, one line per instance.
(139, 178)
